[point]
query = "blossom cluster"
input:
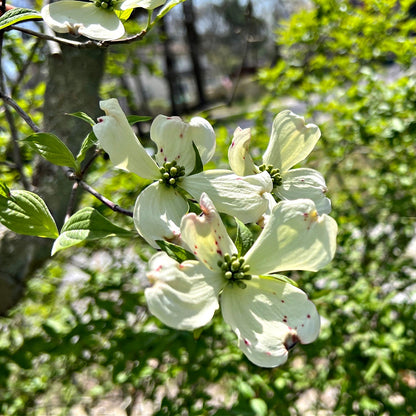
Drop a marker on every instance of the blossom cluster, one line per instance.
(95, 19)
(268, 313)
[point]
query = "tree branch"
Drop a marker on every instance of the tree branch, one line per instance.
(81, 45)
(24, 68)
(9, 117)
(116, 208)
(9, 101)
(105, 201)
(72, 201)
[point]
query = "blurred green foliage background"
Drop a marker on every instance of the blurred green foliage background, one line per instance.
(72, 346)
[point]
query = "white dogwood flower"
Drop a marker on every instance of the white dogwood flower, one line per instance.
(291, 141)
(98, 20)
(268, 314)
(160, 207)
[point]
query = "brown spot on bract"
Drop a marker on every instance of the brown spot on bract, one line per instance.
(291, 340)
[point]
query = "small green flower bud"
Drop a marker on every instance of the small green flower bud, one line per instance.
(228, 275)
(235, 265)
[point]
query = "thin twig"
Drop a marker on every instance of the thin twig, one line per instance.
(105, 201)
(71, 202)
(24, 68)
(116, 208)
(10, 165)
(89, 162)
(9, 101)
(81, 45)
(17, 157)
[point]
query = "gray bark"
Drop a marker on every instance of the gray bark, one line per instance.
(73, 82)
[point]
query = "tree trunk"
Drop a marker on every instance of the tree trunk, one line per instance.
(73, 82)
(170, 73)
(194, 49)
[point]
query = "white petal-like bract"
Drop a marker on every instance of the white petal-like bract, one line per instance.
(158, 212)
(175, 139)
(202, 135)
(117, 138)
(238, 153)
(305, 183)
(269, 318)
(145, 4)
(206, 236)
(82, 18)
(241, 197)
(182, 296)
(294, 238)
(169, 134)
(291, 141)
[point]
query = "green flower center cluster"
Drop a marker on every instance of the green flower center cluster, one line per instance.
(105, 4)
(234, 269)
(171, 173)
(274, 174)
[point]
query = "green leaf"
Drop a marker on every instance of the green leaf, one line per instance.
(83, 116)
(26, 213)
(87, 225)
(176, 252)
(137, 119)
(387, 368)
(90, 141)
(13, 16)
(259, 407)
(280, 277)
(4, 190)
(199, 167)
(167, 7)
(52, 149)
(244, 238)
(123, 15)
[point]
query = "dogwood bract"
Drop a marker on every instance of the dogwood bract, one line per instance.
(268, 315)
(161, 206)
(96, 20)
(291, 141)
